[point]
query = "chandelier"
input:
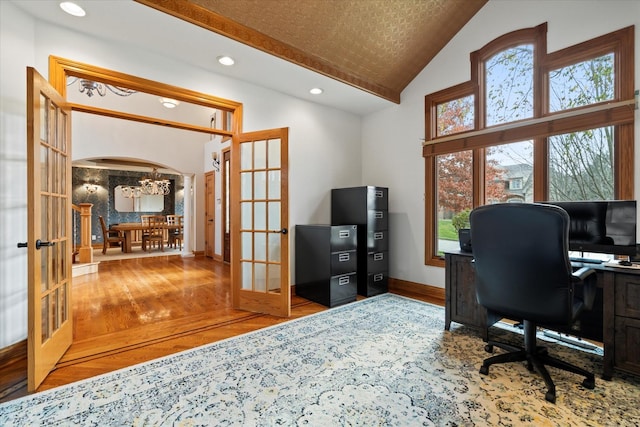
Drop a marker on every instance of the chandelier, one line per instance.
(89, 87)
(152, 185)
(131, 192)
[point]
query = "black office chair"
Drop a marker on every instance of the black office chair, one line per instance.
(523, 273)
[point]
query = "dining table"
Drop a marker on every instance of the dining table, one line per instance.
(128, 227)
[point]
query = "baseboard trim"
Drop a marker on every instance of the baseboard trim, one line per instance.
(82, 269)
(15, 354)
(429, 291)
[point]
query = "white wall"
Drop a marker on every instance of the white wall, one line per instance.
(16, 50)
(324, 144)
(328, 148)
(392, 153)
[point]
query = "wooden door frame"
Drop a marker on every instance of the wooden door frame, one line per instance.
(213, 215)
(61, 68)
(225, 194)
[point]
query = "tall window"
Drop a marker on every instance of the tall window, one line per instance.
(530, 126)
(509, 85)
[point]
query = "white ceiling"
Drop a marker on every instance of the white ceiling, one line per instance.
(125, 21)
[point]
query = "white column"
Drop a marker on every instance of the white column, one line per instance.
(188, 218)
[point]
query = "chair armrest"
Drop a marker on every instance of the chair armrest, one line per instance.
(587, 278)
(113, 233)
(583, 273)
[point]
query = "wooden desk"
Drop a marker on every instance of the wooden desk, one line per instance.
(614, 319)
(128, 227)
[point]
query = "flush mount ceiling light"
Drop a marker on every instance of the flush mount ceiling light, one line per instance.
(316, 91)
(226, 60)
(72, 8)
(169, 103)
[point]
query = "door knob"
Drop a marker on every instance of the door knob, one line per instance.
(284, 231)
(39, 244)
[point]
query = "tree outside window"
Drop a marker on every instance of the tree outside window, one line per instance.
(548, 131)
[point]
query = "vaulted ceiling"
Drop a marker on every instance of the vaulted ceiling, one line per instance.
(378, 46)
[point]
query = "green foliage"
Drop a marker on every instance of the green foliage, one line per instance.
(446, 230)
(461, 220)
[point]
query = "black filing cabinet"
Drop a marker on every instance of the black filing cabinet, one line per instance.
(326, 263)
(368, 208)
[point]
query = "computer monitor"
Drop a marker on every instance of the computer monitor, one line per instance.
(601, 226)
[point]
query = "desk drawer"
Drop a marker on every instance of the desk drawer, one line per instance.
(344, 262)
(377, 220)
(331, 292)
(377, 198)
(377, 262)
(377, 241)
(344, 237)
(377, 283)
(627, 338)
(627, 295)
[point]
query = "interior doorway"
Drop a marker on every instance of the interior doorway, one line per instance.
(209, 214)
(226, 216)
(60, 69)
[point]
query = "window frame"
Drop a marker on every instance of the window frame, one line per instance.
(618, 113)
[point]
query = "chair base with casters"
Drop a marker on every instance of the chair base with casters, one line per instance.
(536, 357)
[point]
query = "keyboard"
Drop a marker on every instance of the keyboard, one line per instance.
(615, 264)
(586, 260)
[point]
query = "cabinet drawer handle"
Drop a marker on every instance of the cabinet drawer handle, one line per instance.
(343, 234)
(377, 277)
(378, 257)
(344, 280)
(343, 257)
(379, 215)
(378, 236)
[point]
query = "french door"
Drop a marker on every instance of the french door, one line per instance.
(49, 227)
(259, 222)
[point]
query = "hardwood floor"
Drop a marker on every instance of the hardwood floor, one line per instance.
(136, 310)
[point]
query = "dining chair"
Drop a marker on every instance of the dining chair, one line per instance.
(154, 232)
(110, 238)
(176, 235)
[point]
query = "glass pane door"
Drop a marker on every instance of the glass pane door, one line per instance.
(49, 242)
(262, 242)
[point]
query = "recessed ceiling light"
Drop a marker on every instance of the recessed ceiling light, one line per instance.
(169, 103)
(226, 60)
(316, 91)
(72, 9)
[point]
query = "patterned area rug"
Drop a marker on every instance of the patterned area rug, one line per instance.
(382, 361)
(115, 254)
